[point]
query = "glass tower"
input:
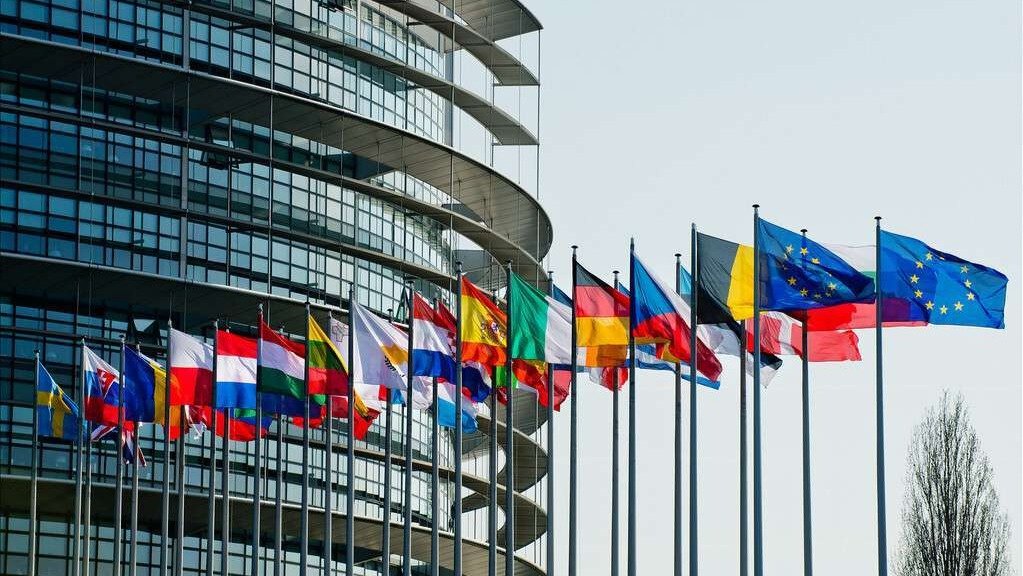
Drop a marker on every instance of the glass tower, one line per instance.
(189, 161)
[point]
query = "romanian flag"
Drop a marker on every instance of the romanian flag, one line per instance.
(602, 321)
(145, 391)
(327, 371)
(57, 415)
(484, 328)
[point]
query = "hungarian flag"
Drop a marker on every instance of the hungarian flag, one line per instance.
(283, 364)
(191, 370)
(484, 327)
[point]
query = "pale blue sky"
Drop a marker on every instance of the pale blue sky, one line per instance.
(658, 114)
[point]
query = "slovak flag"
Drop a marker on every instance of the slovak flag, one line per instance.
(431, 348)
(191, 368)
(102, 399)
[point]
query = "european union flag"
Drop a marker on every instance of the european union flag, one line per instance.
(938, 287)
(57, 415)
(797, 273)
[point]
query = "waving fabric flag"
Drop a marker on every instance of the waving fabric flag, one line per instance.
(938, 287)
(781, 334)
(484, 327)
(475, 375)
(381, 350)
(242, 428)
(659, 317)
(130, 449)
(800, 274)
(542, 326)
(431, 344)
(283, 364)
(145, 388)
(191, 363)
(602, 321)
(726, 279)
(57, 414)
(367, 407)
(327, 371)
(102, 402)
(236, 371)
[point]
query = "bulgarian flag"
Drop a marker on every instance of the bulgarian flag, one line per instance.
(282, 362)
(852, 316)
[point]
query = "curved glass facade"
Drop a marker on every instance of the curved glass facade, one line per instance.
(143, 186)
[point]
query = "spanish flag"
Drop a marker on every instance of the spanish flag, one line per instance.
(484, 327)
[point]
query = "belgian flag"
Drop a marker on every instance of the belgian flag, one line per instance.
(726, 280)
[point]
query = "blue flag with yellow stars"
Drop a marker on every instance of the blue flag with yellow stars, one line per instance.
(940, 288)
(797, 273)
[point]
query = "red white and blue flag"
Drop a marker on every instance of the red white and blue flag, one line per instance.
(102, 400)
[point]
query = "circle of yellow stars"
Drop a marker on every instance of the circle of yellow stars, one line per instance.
(958, 306)
(829, 290)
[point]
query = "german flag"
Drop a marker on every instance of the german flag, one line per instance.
(726, 278)
(602, 320)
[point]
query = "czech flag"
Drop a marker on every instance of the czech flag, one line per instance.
(659, 317)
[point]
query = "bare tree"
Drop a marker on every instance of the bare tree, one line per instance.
(952, 524)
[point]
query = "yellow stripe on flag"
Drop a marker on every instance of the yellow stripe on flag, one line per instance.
(740, 292)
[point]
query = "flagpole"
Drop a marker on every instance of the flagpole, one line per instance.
(278, 502)
(350, 447)
(258, 454)
(435, 483)
(615, 458)
(33, 535)
(134, 525)
(303, 563)
(882, 527)
(119, 482)
(550, 454)
(492, 489)
(225, 492)
(77, 552)
(406, 550)
(509, 448)
(457, 515)
(807, 527)
(694, 555)
(179, 478)
(743, 460)
(87, 511)
(165, 502)
(677, 508)
(633, 558)
(758, 535)
(573, 438)
(385, 536)
(211, 514)
(328, 477)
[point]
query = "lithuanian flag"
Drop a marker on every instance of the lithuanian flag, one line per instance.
(327, 371)
(484, 328)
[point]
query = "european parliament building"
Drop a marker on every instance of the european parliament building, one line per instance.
(188, 161)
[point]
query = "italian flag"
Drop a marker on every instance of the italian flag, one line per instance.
(541, 327)
(282, 363)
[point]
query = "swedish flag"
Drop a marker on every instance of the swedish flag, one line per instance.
(797, 273)
(57, 415)
(938, 287)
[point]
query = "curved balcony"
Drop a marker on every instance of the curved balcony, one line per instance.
(498, 201)
(56, 501)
